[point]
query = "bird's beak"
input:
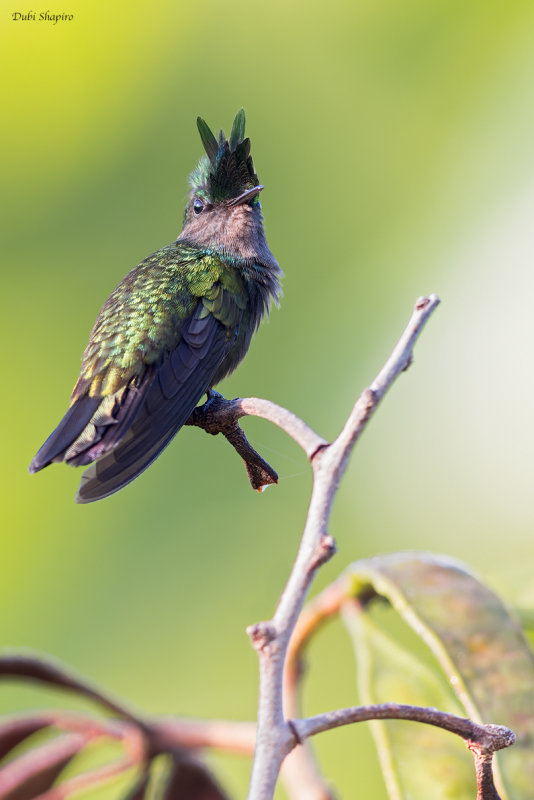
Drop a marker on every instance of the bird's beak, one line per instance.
(246, 196)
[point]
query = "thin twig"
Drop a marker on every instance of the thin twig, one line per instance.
(484, 773)
(274, 737)
(301, 433)
(219, 415)
(314, 614)
(483, 738)
(173, 733)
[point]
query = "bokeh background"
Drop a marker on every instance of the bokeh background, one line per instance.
(395, 144)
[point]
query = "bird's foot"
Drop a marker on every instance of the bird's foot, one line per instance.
(212, 395)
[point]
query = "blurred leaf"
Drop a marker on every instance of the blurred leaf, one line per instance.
(192, 782)
(387, 671)
(526, 618)
(34, 772)
(137, 791)
(13, 731)
(44, 669)
(175, 780)
(480, 647)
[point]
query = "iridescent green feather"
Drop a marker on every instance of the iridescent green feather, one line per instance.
(152, 302)
(238, 129)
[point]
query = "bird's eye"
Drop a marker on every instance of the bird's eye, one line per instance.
(198, 206)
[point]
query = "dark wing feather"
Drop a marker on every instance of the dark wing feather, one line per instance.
(70, 427)
(175, 390)
(111, 422)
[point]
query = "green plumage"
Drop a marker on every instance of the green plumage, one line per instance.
(151, 303)
(174, 326)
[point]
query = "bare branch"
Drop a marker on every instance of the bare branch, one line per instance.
(277, 734)
(486, 738)
(175, 733)
(219, 415)
(482, 740)
(301, 433)
(313, 615)
(274, 738)
(484, 773)
(399, 361)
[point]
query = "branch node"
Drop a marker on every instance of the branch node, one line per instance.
(409, 362)
(318, 451)
(262, 634)
(293, 728)
(323, 552)
(366, 403)
(316, 547)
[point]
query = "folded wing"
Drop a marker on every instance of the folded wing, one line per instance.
(168, 400)
(120, 434)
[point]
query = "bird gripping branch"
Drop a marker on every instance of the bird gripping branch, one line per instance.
(175, 326)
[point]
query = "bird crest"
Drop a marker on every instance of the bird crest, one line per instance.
(227, 169)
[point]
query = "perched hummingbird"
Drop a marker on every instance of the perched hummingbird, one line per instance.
(176, 325)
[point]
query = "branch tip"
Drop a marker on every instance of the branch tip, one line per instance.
(490, 739)
(423, 302)
(262, 634)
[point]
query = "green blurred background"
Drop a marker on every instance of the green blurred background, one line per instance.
(395, 144)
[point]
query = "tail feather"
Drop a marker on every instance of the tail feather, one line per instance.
(121, 434)
(110, 423)
(70, 427)
(94, 485)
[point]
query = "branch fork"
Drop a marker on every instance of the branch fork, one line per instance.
(275, 735)
(329, 462)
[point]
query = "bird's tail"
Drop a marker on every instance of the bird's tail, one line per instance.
(68, 430)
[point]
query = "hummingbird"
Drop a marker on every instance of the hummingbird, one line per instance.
(176, 325)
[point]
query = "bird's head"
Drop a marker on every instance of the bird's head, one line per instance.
(224, 212)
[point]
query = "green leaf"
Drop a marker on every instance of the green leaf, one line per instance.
(478, 644)
(418, 761)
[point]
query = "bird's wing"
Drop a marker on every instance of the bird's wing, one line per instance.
(168, 400)
(136, 338)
